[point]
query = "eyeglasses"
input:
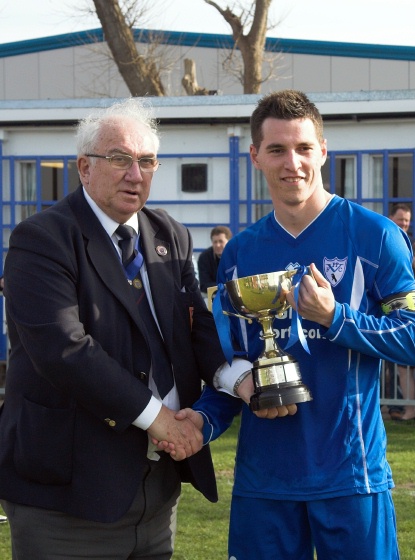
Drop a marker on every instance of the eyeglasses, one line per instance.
(124, 161)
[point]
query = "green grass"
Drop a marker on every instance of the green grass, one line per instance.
(202, 526)
(401, 457)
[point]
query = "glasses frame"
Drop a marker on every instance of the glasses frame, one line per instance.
(132, 160)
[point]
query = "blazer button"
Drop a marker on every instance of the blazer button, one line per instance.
(110, 422)
(143, 375)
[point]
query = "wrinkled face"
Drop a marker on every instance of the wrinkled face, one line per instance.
(120, 193)
(402, 218)
(218, 243)
(290, 157)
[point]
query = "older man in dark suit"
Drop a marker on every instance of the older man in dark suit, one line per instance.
(101, 356)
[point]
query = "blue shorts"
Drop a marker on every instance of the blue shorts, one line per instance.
(344, 528)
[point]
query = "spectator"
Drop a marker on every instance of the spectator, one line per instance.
(209, 259)
(401, 214)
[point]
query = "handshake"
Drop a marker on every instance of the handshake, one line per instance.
(177, 433)
(180, 433)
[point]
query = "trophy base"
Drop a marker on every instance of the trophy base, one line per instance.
(280, 395)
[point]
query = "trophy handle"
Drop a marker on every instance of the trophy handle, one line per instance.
(210, 293)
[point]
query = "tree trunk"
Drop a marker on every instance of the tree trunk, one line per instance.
(252, 44)
(140, 75)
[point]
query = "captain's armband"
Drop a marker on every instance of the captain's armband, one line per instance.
(403, 300)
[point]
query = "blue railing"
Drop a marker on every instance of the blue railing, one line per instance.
(241, 200)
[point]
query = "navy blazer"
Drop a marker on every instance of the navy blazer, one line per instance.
(77, 373)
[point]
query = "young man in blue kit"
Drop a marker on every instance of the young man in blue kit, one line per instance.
(318, 477)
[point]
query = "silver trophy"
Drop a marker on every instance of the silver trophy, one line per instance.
(276, 374)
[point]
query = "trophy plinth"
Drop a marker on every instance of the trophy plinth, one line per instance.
(276, 374)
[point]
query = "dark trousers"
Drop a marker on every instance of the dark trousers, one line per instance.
(145, 532)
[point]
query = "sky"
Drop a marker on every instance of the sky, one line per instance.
(383, 22)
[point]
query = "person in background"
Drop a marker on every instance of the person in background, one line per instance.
(90, 284)
(209, 258)
(401, 214)
(316, 479)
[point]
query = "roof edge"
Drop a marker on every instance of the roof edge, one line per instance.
(212, 40)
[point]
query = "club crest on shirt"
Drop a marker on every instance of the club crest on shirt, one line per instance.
(292, 266)
(334, 269)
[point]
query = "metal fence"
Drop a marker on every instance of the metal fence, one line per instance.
(397, 385)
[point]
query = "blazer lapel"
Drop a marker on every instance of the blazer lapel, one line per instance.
(103, 255)
(158, 259)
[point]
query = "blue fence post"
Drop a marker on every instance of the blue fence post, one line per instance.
(3, 337)
(234, 133)
(2, 197)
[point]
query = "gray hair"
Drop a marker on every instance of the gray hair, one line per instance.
(133, 109)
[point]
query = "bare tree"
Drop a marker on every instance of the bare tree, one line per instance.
(252, 44)
(142, 71)
(141, 74)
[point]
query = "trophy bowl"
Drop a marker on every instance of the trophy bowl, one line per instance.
(276, 374)
(261, 294)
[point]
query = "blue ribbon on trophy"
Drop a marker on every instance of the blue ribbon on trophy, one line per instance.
(221, 308)
(296, 331)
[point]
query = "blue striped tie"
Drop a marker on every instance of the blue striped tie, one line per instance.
(132, 260)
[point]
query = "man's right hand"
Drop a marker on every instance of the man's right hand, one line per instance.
(183, 437)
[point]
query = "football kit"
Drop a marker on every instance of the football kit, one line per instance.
(335, 445)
